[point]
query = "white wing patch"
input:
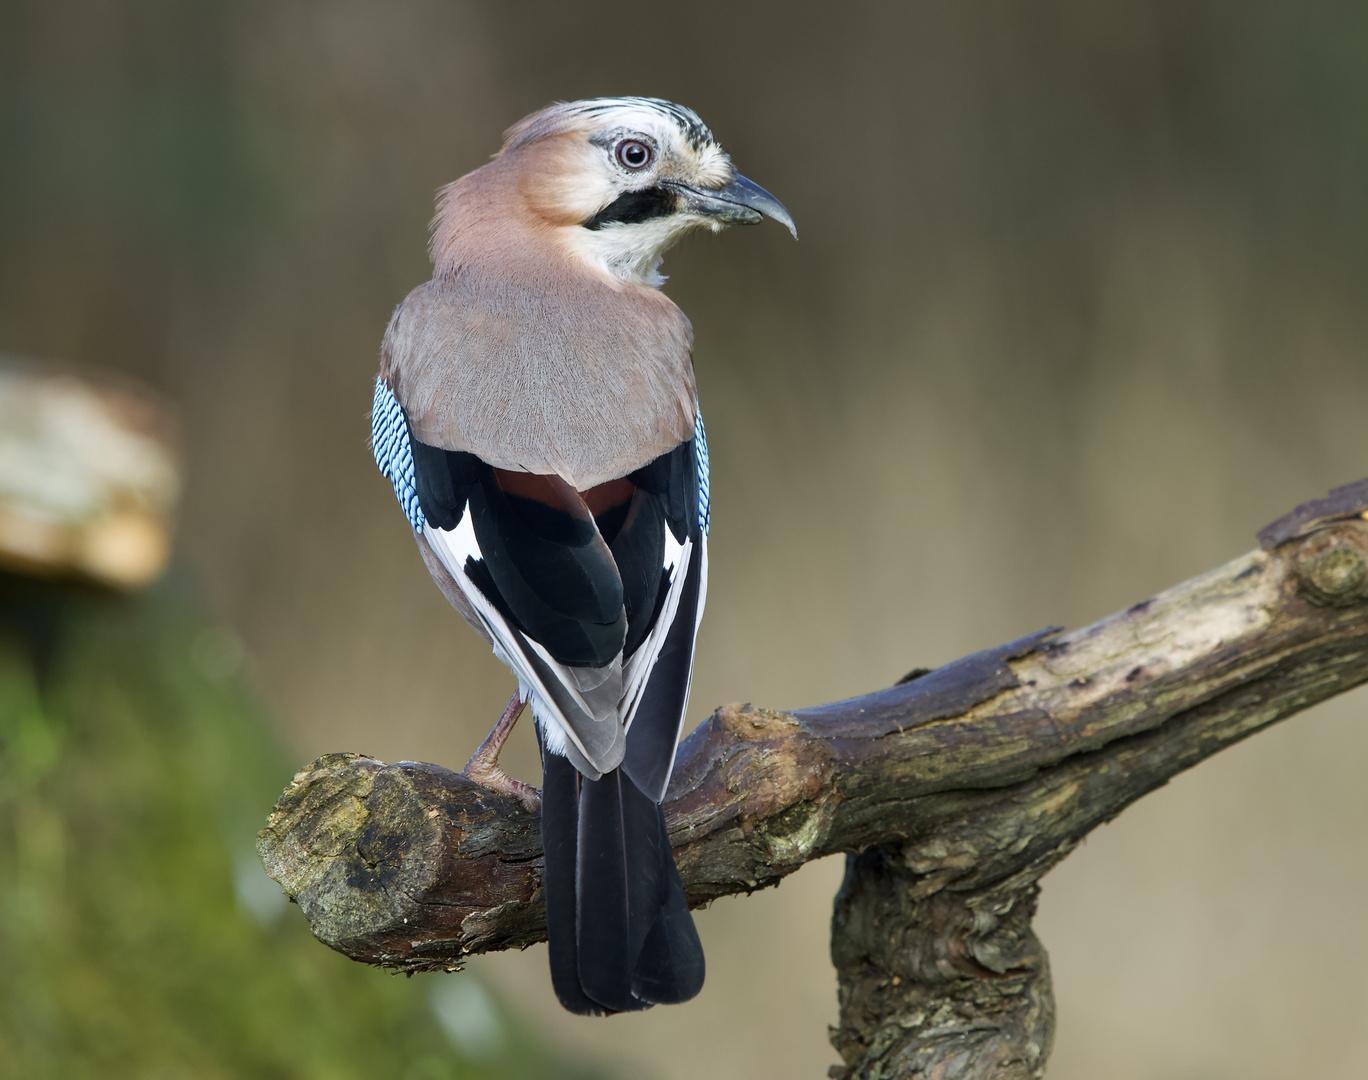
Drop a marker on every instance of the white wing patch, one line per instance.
(657, 636)
(453, 547)
(638, 668)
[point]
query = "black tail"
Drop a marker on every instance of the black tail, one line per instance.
(619, 930)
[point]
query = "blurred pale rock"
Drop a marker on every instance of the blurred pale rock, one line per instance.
(89, 477)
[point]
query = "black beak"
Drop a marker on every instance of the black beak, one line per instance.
(739, 203)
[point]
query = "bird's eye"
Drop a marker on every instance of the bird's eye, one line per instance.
(633, 155)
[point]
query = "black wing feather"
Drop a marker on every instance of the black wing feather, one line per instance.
(549, 574)
(565, 595)
(673, 479)
(636, 547)
(654, 734)
(444, 479)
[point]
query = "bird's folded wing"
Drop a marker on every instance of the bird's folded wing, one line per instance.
(658, 675)
(586, 720)
(596, 609)
(661, 691)
(639, 668)
(526, 558)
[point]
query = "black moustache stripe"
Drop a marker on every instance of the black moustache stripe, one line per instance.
(635, 207)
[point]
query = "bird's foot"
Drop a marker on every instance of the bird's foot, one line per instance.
(483, 766)
(495, 779)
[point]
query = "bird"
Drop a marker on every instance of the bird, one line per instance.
(537, 416)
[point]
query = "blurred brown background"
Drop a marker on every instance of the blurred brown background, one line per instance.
(1078, 306)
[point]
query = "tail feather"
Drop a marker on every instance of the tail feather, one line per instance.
(620, 933)
(607, 884)
(669, 964)
(560, 817)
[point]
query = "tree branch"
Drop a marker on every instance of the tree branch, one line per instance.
(951, 793)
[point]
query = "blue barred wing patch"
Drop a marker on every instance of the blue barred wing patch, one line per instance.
(701, 455)
(390, 445)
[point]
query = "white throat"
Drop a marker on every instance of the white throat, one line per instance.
(633, 253)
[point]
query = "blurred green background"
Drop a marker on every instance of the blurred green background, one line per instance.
(1079, 305)
(139, 936)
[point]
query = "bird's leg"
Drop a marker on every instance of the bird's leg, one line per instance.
(483, 766)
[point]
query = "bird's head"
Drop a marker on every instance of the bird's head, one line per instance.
(619, 180)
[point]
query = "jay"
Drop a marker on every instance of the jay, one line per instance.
(537, 417)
